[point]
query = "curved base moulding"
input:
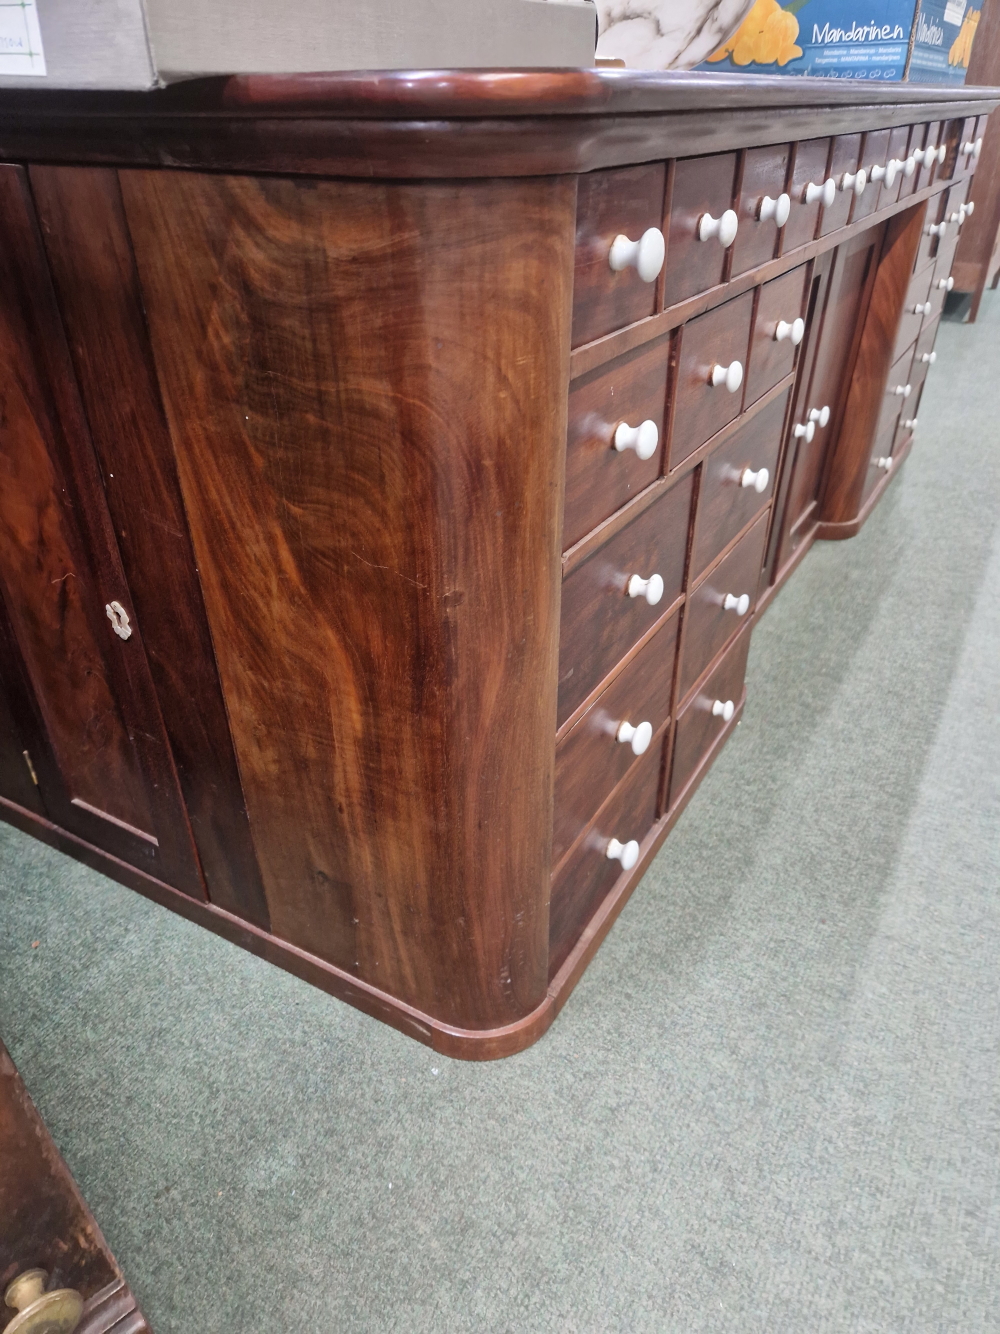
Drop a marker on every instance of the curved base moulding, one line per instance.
(838, 532)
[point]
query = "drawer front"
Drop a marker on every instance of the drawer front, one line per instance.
(808, 168)
(590, 760)
(780, 302)
(843, 164)
(899, 139)
(599, 477)
(611, 203)
(600, 621)
(912, 318)
(588, 874)
(874, 153)
(708, 622)
(701, 408)
(698, 725)
(925, 343)
(927, 248)
(764, 173)
(909, 183)
(701, 185)
(945, 247)
(928, 137)
(725, 506)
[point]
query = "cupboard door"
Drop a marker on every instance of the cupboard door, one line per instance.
(94, 731)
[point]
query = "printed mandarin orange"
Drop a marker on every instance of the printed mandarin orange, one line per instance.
(765, 37)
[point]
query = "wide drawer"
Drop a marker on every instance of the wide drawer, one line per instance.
(719, 605)
(600, 620)
(776, 337)
(705, 400)
(701, 186)
(703, 719)
(591, 759)
(589, 874)
(631, 393)
(725, 504)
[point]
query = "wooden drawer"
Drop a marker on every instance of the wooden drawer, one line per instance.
(927, 249)
(599, 478)
(610, 203)
(764, 173)
(899, 139)
(925, 343)
(893, 403)
(701, 408)
(874, 153)
(698, 726)
(912, 317)
(708, 622)
(958, 132)
(781, 301)
(701, 185)
(879, 461)
(909, 183)
(588, 875)
(843, 163)
(600, 622)
(926, 139)
(590, 760)
(725, 506)
(809, 160)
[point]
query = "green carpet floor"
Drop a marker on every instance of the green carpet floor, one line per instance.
(772, 1104)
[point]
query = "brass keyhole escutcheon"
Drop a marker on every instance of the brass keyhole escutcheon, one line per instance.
(41, 1312)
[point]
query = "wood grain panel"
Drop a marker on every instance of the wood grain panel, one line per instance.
(372, 473)
(599, 479)
(770, 361)
(610, 203)
(600, 622)
(700, 185)
(701, 408)
(697, 727)
(93, 270)
(763, 174)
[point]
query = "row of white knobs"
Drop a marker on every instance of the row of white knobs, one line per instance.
(940, 228)
(815, 417)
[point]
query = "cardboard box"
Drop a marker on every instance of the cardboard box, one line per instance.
(942, 40)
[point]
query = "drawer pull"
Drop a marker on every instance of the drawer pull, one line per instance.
(909, 166)
(942, 153)
(820, 416)
(888, 173)
(921, 308)
(118, 617)
(929, 358)
(778, 209)
(974, 148)
(640, 736)
(910, 424)
(56, 1312)
(645, 255)
(825, 193)
(758, 480)
(884, 464)
(626, 853)
(724, 228)
(806, 430)
(643, 438)
(902, 390)
(651, 589)
(925, 155)
(723, 710)
(740, 605)
(945, 284)
(794, 332)
(731, 376)
(938, 229)
(959, 216)
(855, 181)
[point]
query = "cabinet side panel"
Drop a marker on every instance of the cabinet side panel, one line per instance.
(366, 389)
(90, 256)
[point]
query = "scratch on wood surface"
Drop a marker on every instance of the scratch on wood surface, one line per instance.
(398, 573)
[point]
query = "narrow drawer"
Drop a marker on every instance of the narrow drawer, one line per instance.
(945, 246)
(809, 162)
(708, 622)
(899, 139)
(600, 621)
(874, 154)
(880, 461)
(702, 185)
(590, 760)
(927, 141)
(708, 346)
(893, 399)
(588, 875)
(925, 343)
(764, 173)
(626, 201)
(913, 310)
(909, 182)
(630, 391)
(957, 133)
(935, 215)
(844, 169)
(781, 302)
(725, 505)
(701, 721)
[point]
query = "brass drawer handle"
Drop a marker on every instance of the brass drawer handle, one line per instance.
(41, 1312)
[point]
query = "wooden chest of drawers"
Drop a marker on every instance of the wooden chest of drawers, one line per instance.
(394, 467)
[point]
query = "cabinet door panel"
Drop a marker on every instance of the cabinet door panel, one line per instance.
(101, 753)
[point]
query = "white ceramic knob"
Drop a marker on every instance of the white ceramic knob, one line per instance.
(825, 193)
(909, 166)
(643, 438)
(806, 429)
(731, 376)
(626, 853)
(969, 208)
(888, 173)
(639, 737)
(645, 255)
(855, 181)
(938, 229)
(651, 589)
(926, 155)
(880, 173)
(723, 710)
(740, 605)
(929, 358)
(975, 148)
(958, 217)
(902, 390)
(910, 424)
(724, 228)
(778, 209)
(942, 152)
(921, 308)
(820, 415)
(945, 284)
(794, 332)
(758, 480)
(885, 464)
